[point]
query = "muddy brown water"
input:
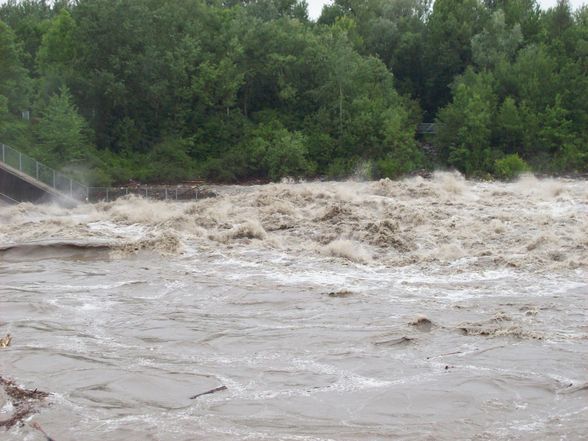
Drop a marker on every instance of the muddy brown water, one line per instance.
(421, 310)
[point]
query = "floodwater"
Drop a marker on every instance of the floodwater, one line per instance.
(433, 309)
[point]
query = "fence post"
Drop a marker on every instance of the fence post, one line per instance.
(3, 160)
(37, 169)
(70, 188)
(53, 178)
(19, 161)
(106, 194)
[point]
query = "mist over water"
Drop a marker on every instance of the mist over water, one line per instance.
(420, 309)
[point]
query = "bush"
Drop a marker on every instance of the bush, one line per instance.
(510, 167)
(389, 168)
(571, 158)
(287, 156)
(170, 161)
(215, 169)
(341, 168)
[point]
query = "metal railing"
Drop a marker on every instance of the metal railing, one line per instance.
(42, 173)
(68, 187)
(165, 193)
(426, 128)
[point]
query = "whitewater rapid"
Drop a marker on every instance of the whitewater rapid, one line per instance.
(418, 309)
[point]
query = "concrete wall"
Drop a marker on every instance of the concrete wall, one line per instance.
(20, 190)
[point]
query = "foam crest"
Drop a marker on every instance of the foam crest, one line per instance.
(136, 210)
(543, 189)
(246, 230)
(532, 223)
(450, 183)
(347, 250)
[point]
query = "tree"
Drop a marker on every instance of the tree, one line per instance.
(465, 125)
(525, 13)
(61, 131)
(496, 43)
(509, 128)
(268, 10)
(14, 79)
(28, 20)
(451, 26)
(239, 89)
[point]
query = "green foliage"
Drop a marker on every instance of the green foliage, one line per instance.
(14, 78)
(59, 47)
(496, 43)
(341, 168)
(61, 132)
(275, 152)
(509, 127)
(510, 167)
(238, 90)
(402, 160)
(170, 162)
(451, 27)
(556, 128)
(214, 170)
(572, 157)
(286, 156)
(465, 125)
(28, 19)
(392, 168)
(58, 54)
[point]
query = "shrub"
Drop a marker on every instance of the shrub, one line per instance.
(215, 169)
(572, 158)
(171, 161)
(341, 168)
(287, 156)
(510, 167)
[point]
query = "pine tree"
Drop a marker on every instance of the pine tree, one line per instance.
(61, 131)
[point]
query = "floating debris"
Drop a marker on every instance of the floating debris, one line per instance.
(343, 293)
(17, 417)
(211, 391)
(572, 388)
(501, 325)
(23, 401)
(5, 341)
(38, 427)
(444, 355)
(422, 323)
(395, 341)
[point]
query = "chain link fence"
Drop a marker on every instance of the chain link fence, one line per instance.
(68, 187)
(42, 173)
(165, 193)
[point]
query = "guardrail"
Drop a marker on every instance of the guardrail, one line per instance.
(42, 173)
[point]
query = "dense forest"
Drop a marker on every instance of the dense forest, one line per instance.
(164, 91)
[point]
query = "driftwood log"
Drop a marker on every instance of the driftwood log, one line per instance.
(211, 391)
(38, 427)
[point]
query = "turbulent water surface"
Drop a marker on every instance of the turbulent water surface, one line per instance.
(422, 310)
